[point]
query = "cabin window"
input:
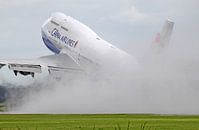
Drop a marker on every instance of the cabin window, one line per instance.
(98, 38)
(53, 22)
(64, 28)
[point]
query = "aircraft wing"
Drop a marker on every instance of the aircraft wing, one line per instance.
(54, 63)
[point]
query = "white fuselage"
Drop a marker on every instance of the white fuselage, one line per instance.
(63, 34)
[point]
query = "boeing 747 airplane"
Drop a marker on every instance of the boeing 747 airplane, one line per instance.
(76, 48)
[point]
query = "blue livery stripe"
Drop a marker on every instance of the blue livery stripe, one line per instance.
(49, 44)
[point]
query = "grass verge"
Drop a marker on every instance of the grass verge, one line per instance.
(97, 122)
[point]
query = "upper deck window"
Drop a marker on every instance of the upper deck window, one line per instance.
(64, 28)
(54, 23)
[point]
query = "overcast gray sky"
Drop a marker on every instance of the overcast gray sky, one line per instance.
(124, 23)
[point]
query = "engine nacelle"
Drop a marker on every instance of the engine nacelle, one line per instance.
(24, 73)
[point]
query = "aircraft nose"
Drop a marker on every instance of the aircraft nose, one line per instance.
(58, 15)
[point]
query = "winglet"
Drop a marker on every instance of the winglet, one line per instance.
(162, 38)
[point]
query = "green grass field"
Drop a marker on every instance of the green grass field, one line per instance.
(98, 122)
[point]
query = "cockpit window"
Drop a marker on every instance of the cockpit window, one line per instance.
(64, 28)
(98, 38)
(53, 22)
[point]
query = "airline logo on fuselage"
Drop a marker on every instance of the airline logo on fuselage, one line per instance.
(55, 33)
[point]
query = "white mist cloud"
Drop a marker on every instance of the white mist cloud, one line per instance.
(163, 84)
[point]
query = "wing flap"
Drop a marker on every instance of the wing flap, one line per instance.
(53, 69)
(25, 67)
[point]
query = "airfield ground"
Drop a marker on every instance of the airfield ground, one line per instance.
(98, 122)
